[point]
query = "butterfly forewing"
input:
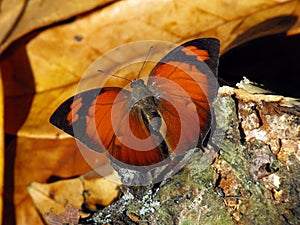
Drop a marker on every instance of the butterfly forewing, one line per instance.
(192, 67)
(88, 117)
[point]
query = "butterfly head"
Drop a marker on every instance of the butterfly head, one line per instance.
(138, 82)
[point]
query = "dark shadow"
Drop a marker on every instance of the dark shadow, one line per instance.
(19, 90)
(276, 25)
(272, 61)
(18, 84)
(55, 178)
(8, 213)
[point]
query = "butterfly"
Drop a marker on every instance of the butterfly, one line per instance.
(168, 114)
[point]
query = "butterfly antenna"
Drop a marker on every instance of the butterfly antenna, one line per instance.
(142, 67)
(114, 75)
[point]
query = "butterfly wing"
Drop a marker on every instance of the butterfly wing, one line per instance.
(134, 144)
(89, 117)
(99, 118)
(191, 68)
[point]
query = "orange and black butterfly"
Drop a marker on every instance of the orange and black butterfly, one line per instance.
(170, 113)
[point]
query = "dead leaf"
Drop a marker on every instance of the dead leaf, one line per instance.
(10, 12)
(20, 17)
(100, 191)
(75, 192)
(38, 159)
(43, 69)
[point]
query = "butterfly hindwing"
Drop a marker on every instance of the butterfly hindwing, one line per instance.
(137, 152)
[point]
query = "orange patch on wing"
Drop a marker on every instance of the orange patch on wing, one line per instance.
(202, 55)
(74, 107)
(193, 81)
(99, 121)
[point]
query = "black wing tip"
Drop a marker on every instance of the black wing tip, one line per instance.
(212, 45)
(62, 125)
(204, 42)
(58, 117)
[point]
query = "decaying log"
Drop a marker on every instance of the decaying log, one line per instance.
(253, 179)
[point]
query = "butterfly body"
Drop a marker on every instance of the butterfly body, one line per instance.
(145, 100)
(169, 114)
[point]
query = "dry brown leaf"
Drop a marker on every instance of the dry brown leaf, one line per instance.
(77, 191)
(19, 17)
(40, 71)
(39, 160)
(9, 13)
(100, 191)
